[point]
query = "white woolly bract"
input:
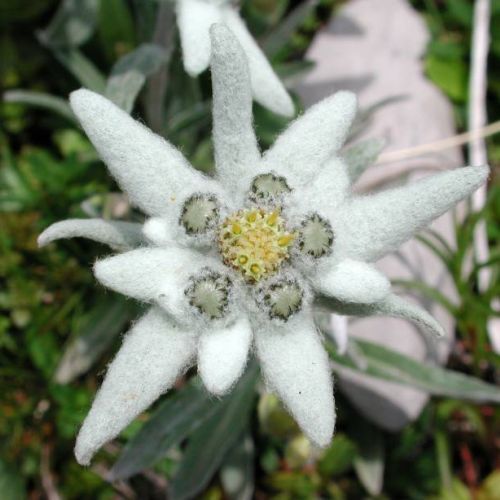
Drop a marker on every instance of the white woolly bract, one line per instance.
(395, 307)
(352, 281)
(118, 235)
(194, 18)
(326, 191)
(157, 275)
(235, 145)
(305, 146)
(267, 88)
(222, 355)
(296, 367)
(154, 353)
(151, 171)
(344, 234)
(160, 231)
(368, 227)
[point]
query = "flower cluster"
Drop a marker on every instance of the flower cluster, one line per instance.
(238, 262)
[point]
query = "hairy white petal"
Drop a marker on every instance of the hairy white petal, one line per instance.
(392, 306)
(117, 234)
(368, 227)
(222, 355)
(236, 150)
(352, 281)
(295, 366)
(339, 332)
(325, 192)
(302, 150)
(159, 231)
(266, 86)
(194, 18)
(155, 175)
(149, 273)
(154, 353)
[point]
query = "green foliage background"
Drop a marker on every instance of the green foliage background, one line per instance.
(50, 302)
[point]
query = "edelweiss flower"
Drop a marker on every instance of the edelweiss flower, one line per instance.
(194, 18)
(235, 261)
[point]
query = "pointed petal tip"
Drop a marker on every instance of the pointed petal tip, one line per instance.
(81, 97)
(83, 457)
(322, 437)
(102, 269)
(284, 106)
(194, 70)
(347, 103)
(43, 239)
(219, 32)
(84, 448)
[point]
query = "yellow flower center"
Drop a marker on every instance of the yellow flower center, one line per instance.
(255, 242)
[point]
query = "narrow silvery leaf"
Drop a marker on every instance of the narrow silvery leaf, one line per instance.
(82, 68)
(72, 25)
(281, 35)
(209, 444)
(41, 100)
(393, 366)
(369, 462)
(99, 330)
(361, 156)
(237, 471)
(130, 72)
(392, 306)
(117, 234)
(174, 420)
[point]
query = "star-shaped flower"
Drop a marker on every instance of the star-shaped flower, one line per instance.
(194, 18)
(238, 261)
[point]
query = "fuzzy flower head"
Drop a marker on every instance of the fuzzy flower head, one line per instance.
(238, 262)
(194, 18)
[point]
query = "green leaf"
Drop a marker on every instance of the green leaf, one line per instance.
(281, 35)
(99, 329)
(237, 472)
(41, 100)
(176, 418)
(449, 74)
(363, 116)
(11, 483)
(210, 443)
(116, 27)
(72, 25)
(130, 72)
(395, 367)
(82, 69)
(369, 462)
(291, 73)
(338, 458)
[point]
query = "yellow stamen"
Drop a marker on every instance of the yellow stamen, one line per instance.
(286, 240)
(273, 217)
(255, 242)
(252, 216)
